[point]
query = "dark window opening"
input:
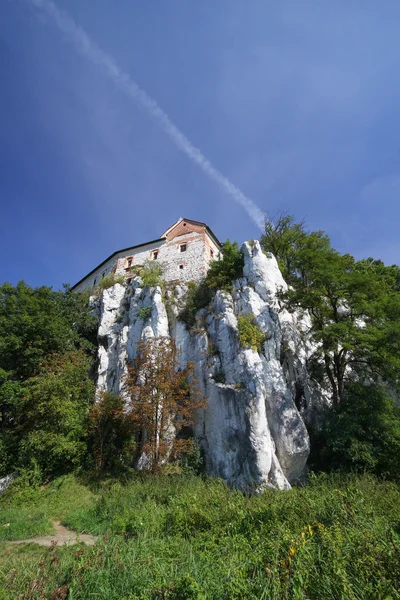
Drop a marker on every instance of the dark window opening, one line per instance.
(95, 281)
(155, 255)
(183, 247)
(103, 274)
(212, 253)
(181, 266)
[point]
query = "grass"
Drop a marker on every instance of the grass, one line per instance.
(27, 512)
(180, 537)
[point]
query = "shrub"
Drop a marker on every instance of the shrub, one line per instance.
(52, 415)
(110, 432)
(221, 275)
(145, 312)
(362, 433)
(250, 335)
(219, 377)
(198, 296)
(110, 280)
(151, 274)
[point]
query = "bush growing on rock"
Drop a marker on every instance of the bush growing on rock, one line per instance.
(110, 280)
(220, 276)
(145, 312)
(151, 274)
(250, 335)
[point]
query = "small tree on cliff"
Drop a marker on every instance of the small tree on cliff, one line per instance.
(163, 399)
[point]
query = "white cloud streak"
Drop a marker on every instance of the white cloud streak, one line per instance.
(88, 48)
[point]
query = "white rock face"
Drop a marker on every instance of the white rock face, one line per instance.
(6, 481)
(251, 431)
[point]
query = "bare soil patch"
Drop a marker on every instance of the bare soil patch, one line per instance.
(62, 536)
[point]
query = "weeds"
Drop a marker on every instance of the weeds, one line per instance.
(182, 537)
(250, 335)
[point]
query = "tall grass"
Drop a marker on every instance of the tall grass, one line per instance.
(177, 537)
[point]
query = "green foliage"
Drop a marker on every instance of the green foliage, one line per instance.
(29, 507)
(35, 323)
(52, 415)
(362, 433)
(219, 377)
(354, 305)
(197, 297)
(145, 312)
(282, 238)
(355, 312)
(110, 280)
(220, 276)
(110, 433)
(151, 274)
(185, 537)
(222, 273)
(250, 335)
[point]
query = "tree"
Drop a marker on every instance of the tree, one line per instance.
(163, 398)
(110, 431)
(35, 323)
(354, 305)
(52, 415)
(282, 238)
(362, 433)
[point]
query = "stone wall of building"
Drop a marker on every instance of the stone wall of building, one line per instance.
(178, 265)
(116, 264)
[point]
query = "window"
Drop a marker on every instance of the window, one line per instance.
(129, 262)
(95, 281)
(183, 247)
(103, 274)
(181, 266)
(212, 253)
(155, 254)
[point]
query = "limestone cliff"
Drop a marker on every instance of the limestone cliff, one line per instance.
(252, 431)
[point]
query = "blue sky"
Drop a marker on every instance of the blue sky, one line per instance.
(295, 103)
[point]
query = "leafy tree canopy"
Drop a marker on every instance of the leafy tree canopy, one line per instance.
(361, 434)
(52, 415)
(354, 305)
(35, 325)
(37, 322)
(163, 398)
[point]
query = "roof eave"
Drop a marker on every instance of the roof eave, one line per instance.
(114, 254)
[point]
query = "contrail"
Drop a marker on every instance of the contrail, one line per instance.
(90, 50)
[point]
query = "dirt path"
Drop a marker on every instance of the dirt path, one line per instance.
(62, 536)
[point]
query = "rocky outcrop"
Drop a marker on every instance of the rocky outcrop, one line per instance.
(6, 481)
(252, 430)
